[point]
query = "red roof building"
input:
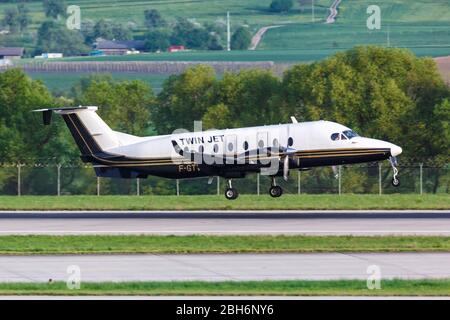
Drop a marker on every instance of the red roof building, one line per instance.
(176, 48)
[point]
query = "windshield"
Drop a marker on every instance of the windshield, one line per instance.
(350, 134)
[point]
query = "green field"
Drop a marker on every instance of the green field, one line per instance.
(42, 244)
(257, 288)
(244, 202)
(252, 12)
(421, 26)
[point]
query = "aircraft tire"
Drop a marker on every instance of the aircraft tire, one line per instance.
(275, 191)
(231, 193)
(395, 182)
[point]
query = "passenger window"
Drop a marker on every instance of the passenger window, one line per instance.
(335, 136)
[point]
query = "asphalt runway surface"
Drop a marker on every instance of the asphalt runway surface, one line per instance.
(436, 223)
(222, 267)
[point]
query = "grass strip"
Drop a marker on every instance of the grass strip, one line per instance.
(440, 287)
(244, 202)
(146, 244)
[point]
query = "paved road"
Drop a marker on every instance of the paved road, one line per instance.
(215, 267)
(333, 11)
(229, 222)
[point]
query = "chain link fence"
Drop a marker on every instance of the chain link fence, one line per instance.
(75, 178)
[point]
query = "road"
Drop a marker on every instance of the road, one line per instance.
(220, 267)
(229, 222)
(333, 11)
(256, 39)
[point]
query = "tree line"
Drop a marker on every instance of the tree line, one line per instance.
(381, 93)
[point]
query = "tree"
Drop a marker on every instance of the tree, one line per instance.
(383, 93)
(125, 105)
(107, 29)
(24, 18)
(184, 99)
(11, 19)
(281, 5)
(241, 39)
(190, 34)
(157, 40)
(153, 19)
(54, 37)
(54, 8)
(22, 136)
(251, 97)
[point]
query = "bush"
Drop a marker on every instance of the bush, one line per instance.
(281, 5)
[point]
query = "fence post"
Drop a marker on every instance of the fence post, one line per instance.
(339, 177)
(178, 187)
(98, 186)
(421, 178)
(138, 191)
(218, 185)
(299, 182)
(257, 184)
(380, 190)
(58, 167)
(19, 192)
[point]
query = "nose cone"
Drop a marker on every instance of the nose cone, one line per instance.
(395, 150)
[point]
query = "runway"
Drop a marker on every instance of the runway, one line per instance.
(222, 267)
(422, 222)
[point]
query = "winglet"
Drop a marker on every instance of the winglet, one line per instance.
(294, 120)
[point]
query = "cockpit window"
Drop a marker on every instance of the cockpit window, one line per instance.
(335, 136)
(350, 134)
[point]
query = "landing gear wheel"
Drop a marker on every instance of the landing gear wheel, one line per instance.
(275, 191)
(231, 193)
(395, 182)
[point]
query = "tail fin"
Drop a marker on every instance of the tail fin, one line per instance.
(91, 133)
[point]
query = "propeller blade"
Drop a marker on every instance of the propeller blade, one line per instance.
(286, 168)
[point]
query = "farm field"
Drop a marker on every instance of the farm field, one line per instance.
(421, 25)
(254, 13)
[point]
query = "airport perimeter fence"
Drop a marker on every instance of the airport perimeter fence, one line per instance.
(75, 178)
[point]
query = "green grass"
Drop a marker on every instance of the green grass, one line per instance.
(257, 288)
(149, 244)
(421, 26)
(244, 202)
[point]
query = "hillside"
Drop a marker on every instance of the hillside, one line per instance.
(423, 25)
(413, 24)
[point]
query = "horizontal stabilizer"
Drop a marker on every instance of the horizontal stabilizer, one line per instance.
(47, 113)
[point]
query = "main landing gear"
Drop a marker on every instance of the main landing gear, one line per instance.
(395, 181)
(231, 193)
(275, 191)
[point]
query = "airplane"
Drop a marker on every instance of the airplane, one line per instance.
(272, 150)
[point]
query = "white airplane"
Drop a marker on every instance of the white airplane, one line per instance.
(231, 153)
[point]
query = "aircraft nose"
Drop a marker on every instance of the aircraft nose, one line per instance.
(395, 150)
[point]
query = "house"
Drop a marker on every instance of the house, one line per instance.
(113, 47)
(11, 53)
(176, 48)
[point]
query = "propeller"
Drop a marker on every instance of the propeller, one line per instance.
(288, 154)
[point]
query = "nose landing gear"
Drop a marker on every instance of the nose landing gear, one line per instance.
(395, 181)
(275, 191)
(231, 193)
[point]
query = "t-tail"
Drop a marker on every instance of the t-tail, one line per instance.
(92, 135)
